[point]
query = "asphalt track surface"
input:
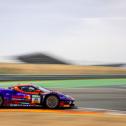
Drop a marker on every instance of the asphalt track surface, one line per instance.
(112, 98)
(96, 99)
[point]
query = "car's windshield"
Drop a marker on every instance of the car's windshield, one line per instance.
(43, 89)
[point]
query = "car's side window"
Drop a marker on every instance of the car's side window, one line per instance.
(31, 89)
(27, 88)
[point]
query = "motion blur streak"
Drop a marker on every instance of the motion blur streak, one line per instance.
(68, 112)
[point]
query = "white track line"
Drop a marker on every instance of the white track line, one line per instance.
(108, 111)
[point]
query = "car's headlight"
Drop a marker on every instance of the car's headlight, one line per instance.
(67, 96)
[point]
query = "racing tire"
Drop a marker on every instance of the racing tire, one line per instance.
(52, 102)
(1, 101)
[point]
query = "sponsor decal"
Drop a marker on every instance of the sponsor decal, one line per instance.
(7, 94)
(18, 96)
(13, 105)
(23, 105)
(36, 99)
(21, 97)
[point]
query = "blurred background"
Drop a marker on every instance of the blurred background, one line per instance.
(62, 37)
(46, 64)
(70, 45)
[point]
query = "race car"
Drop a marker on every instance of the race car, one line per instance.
(29, 95)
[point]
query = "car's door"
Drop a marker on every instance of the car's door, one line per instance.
(35, 97)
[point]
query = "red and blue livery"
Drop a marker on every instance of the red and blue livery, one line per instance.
(29, 95)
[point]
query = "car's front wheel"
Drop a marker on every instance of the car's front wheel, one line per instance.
(1, 101)
(52, 102)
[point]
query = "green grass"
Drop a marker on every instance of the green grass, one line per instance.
(70, 83)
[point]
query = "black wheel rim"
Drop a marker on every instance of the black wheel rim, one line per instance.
(52, 102)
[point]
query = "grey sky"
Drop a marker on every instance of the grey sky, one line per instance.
(82, 30)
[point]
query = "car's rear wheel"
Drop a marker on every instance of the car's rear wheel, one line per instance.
(1, 101)
(52, 102)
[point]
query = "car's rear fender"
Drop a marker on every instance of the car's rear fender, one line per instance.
(6, 94)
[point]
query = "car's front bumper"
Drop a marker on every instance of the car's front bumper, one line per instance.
(66, 104)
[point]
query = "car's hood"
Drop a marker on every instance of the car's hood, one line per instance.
(62, 95)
